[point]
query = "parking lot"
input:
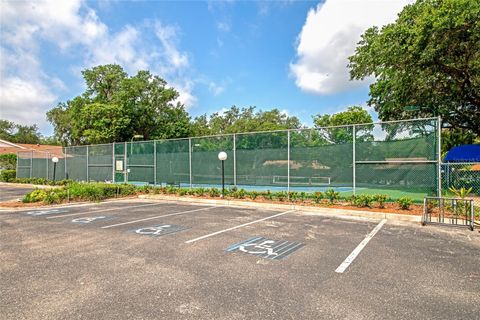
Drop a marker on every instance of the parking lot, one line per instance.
(139, 259)
(8, 192)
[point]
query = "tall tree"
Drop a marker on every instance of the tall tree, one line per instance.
(115, 107)
(243, 120)
(6, 129)
(19, 133)
(429, 57)
(339, 134)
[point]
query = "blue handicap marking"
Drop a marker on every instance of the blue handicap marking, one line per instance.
(85, 220)
(266, 248)
(37, 213)
(159, 230)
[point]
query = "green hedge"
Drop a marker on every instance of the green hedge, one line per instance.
(8, 175)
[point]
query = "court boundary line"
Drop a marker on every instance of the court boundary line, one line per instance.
(239, 226)
(156, 217)
(346, 263)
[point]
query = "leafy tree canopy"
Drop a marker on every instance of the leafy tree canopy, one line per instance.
(115, 107)
(18, 133)
(243, 120)
(429, 58)
(353, 115)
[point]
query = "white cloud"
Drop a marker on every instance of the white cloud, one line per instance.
(27, 91)
(330, 34)
(23, 101)
(215, 88)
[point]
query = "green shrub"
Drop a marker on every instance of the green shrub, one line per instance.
(363, 200)
(332, 195)
(268, 195)
(281, 196)
(8, 161)
(317, 196)
(8, 175)
(200, 192)
(182, 192)
(405, 202)
(293, 196)
(238, 194)
(253, 195)
(36, 195)
(380, 199)
(214, 192)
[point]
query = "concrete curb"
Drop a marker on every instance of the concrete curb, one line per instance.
(335, 212)
(27, 185)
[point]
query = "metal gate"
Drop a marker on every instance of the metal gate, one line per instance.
(448, 211)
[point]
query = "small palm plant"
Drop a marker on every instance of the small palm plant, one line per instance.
(462, 192)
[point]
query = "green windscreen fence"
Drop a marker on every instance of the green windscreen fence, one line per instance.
(395, 158)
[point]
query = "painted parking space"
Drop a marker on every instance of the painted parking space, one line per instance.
(91, 219)
(158, 230)
(266, 248)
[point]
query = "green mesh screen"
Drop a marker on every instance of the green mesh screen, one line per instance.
(23, 164)
(262, 159)
(173, 166)
(100, 162)
(60, 166)
(395, 158)
(40, 164)
(321, 158)
(76, 163)
(140, 161)
(206, 168)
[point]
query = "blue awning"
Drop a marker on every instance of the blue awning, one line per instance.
(464, 153)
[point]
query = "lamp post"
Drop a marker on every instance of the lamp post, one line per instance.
(54, 160)
(222, 156)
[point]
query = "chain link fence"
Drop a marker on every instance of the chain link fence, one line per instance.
(397, 158)
(457, 175)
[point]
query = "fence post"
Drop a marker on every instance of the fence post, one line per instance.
(16, 164)
(87, 167)
(439, 156)
(113, 162)
(190, 160)
(65, 166)
(234, 160)
(47, 158)
(288, 163)
(354, 164)
(31, 163)
(125, 159)
(154, 162)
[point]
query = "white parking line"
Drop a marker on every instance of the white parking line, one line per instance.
(341, 268)
(156, 217)
(239, 226)
(103, 210)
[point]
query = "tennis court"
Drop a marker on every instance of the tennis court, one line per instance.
(398, 158)
(144, 259)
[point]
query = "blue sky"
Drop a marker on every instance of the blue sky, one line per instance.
(290, 55)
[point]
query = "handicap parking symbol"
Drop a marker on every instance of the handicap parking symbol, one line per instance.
(37, 213)
(266, 248)
(159, 230)
(86, 220)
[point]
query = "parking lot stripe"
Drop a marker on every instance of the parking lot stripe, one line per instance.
(239, 226)
(156, 217)
(103, 210)
(341, 268)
